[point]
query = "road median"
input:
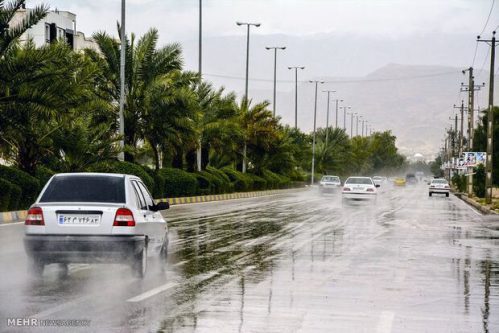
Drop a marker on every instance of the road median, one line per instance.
(16, 216)
(483, 208)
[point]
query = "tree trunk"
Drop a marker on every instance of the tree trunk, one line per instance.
(190, 158)
(178, 159)
(156, 156)
(205, 156)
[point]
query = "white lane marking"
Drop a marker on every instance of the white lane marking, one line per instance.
(475, 211)
(12, 223)
(152, 292)
(385, 322)
(62, 306)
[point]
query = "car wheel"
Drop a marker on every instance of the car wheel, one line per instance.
(430, 194)
(447, 195)
(163, 253)
(139, 264)
(36, 267)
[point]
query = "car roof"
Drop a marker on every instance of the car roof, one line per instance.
(94, 174)
(359, 177)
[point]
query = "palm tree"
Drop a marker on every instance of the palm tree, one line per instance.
(332, 156)
(259, 129)
(41, 89)
(145, 67)
(8, 33)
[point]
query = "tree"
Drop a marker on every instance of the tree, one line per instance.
(10, 33)
(480, 141)
(332, 156)
(42, 90)
(146, 67)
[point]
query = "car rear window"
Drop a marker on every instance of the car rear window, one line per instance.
(363, 181)
(85, 189)
(439, 181)
(330, 179)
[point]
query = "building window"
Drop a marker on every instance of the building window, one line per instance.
(47, 33)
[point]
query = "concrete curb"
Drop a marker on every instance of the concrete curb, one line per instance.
(476, 205)
(10, 217)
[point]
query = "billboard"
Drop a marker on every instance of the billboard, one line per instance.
(471, 159)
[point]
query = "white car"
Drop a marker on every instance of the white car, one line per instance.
(329, 183)
(379, 180)
(359, 188)
(93, 218)
(439, 186)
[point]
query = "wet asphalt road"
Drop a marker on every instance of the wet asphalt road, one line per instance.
(290, 263)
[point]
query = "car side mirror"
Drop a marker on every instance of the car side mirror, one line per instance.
(377, 185)
(160, 206)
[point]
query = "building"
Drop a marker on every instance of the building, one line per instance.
(57, 25)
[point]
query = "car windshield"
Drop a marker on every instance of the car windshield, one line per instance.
(362, 181)
(439, 181)
(107, 189)
(330, 179)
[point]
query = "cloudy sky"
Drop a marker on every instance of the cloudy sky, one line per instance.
(337, 39)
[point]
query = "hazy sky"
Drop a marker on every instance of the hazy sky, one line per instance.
(177, 19)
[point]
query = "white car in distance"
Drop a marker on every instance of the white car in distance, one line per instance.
(359, 188)
(94, 218)
(379, 180)
(329, 183)
(439, 186)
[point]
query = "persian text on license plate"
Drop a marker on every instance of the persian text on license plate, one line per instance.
(78, 219)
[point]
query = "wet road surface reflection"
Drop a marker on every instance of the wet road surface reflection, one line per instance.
(301, 262)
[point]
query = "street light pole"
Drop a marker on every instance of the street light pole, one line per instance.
(345, 116)
(315, 126)
(275, 48)
(296, 68)
(248, 25)
(336, 121)
(327, 115)
(121, 155)
(357, 125)
(351, 123)
(200, 71)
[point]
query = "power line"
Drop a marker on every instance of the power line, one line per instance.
(488, 17)
(402, 78)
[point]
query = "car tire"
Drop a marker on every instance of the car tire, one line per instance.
(36, 267)
(139, 264)
(447, 195)
(430, 194)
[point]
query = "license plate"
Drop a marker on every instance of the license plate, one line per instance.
(65, 219)
(358, 188)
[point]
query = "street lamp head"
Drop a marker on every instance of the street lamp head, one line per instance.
(239, 23)
(310, 81)
(257, 24)
(267, 48)
(283, 47)
(341, 100)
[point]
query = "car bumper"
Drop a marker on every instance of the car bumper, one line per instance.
(84, 248)
(439, 190)
(359, 196)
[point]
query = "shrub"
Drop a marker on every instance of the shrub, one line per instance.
(158, 188)
(297, 176)
(6, 187)
(225, 184)
(259, 183)
(43, 174)
(479, 181)
(205, 185)
(241, 181)
(30, 186)
(178, 182)
(127, 168)
(459, 181)
(274, 180)
(15, 197)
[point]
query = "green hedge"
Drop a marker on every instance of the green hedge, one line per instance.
(158, 189)
(15, 197)
(259, 183)
(275, 181)
(6, 187)
(30, 186)
(205, 183)
(226, 185)
(179, 183)
(241, 182)
(124, 168)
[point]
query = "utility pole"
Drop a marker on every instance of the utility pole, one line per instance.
(315, 125)
(470, 88)
(363, 126)
(336, 121)
(327, 115)
(296, 68)
(490, 119)
(461, 134)
(357, 125)
(275, 48)
(121, 155)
